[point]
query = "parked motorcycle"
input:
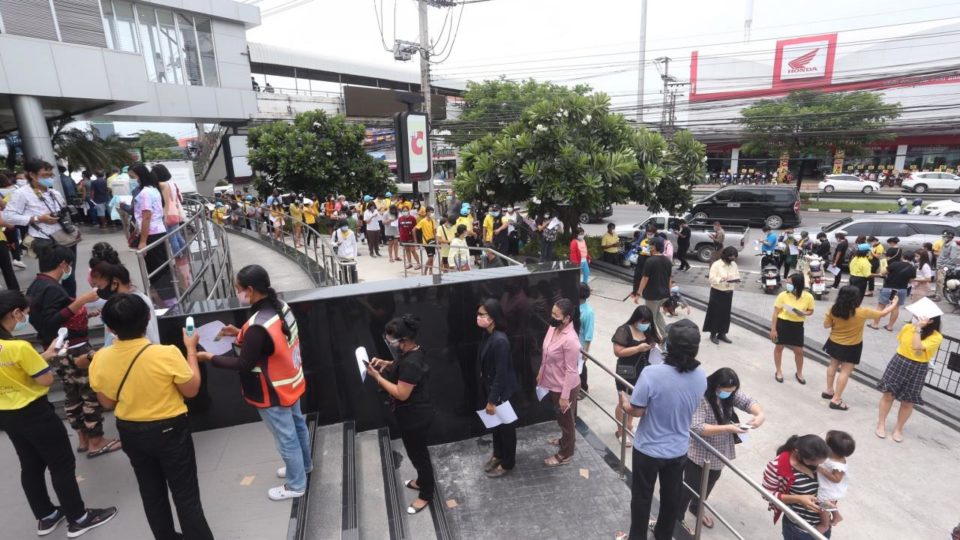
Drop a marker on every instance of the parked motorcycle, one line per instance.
(770, 272)
(814, 274)
(951, 286)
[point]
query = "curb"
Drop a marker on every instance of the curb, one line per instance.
(840, 211)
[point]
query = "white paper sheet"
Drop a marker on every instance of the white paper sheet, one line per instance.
(925, 308)
(362, 360)
(794, 250)
(554, 223)
(833, 269)
(541, 393)
(656, 356)
(580, 363)
(504, 415)
(208, 338)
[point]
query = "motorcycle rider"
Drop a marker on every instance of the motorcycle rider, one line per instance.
(902, 203)
(948, 259)
(917, 207)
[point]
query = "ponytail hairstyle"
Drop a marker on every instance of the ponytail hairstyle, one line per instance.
(406, 326)
(258, 279)
(110, 272)
(103, 252)
(808, 447)
(145, 177)
(9, 301)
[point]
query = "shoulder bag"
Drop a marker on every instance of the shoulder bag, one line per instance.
(631, 370)
(127, 374)
(68, 235)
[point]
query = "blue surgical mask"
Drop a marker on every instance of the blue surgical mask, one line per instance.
(643, 327)
(674, 290)
(66, 275)
(495, 214)
(47, 182)
(21, 325)
(724, 394)
(789, 287)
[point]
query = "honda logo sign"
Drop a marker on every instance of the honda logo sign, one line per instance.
(804, 60)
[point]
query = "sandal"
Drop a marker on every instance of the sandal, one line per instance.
(825, 395)
(888, 328)
(778, 378)
(553, 442)
(555, 461)
(800, 379)
(839, 406)
(707, 521)
(111, 446)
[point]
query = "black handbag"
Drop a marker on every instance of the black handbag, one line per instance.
(631, 370)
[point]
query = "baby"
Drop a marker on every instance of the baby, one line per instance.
(675, 301)
(832, 476)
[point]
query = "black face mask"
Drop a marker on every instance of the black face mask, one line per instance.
(107, 293)
(555, 322)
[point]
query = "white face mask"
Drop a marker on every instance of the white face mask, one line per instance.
(244, 297)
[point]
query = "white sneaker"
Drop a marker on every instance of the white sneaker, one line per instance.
(19, 264)
(281, 493)
(282, 472)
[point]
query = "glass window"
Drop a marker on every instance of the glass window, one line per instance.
(856, 229)
(934, 229)
(893, 229)
(188, 42)
(126, 29)
(109, 25)
(150, 35)
(748, 196)
(208, 58)
(723, 197)
(170, 47)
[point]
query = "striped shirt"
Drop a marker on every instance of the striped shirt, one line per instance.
(803, 484)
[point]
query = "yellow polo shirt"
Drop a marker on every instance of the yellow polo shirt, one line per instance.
(787, 300)
(150, 392)
(428, 228)
(860, 267)
(488, 228)
(19, 364)
(930, 345)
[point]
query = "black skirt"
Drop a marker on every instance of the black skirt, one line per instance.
(717, 318)
(789, 333)
(849, 354)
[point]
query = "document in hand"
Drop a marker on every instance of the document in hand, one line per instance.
(209, 340)
(362, 361)
(541, 392)
(925, 308)
(504, 415)
(656, 356)
(833, 269)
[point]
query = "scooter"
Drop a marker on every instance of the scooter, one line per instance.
(951, 286)
(770, 272)
(814, 275)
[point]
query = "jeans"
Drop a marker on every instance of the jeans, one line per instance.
(692, 474)
(505, 444)
(792, 531)
(546, 250)
(41, 442)
(415, 444)
(646, 469)
(584, 271)
(289, 431)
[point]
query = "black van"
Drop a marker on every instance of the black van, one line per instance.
(776, 206)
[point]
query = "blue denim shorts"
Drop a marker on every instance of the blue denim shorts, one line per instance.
(886, 295)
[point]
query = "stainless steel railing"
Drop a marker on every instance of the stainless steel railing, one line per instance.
(470, 263)
(701, 495)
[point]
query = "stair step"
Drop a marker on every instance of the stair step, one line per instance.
(420, 526)
(350, 516)
(392, 488)
(374, 523)
(324, 511)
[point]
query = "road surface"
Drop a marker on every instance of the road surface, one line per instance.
(625, 214)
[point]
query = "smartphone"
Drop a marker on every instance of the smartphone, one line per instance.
(746, 426)
(733, 280)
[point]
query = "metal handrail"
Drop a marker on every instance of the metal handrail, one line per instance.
(437, 269)
(787, 511)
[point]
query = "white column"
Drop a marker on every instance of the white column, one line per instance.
(32, 125)
(901, 158)
(734, 160)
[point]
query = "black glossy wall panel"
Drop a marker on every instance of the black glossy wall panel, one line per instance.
(334, 321)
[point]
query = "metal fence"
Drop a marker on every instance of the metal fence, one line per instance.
(477, 258)
(626, 436)
(944, 372)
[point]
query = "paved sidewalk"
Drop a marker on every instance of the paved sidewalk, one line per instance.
(891, 495)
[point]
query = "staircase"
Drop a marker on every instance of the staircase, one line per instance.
(356, 491)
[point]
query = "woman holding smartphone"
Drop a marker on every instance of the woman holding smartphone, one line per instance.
(790, 310)
(724, 275)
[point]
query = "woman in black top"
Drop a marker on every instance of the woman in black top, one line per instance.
(839, 253)
(499, 383)
(631, 345)
(406, 379)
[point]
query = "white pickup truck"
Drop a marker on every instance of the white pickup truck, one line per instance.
(701, 244)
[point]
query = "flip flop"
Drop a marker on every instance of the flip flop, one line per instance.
(839, 406)
(888, 329)
(553, 442)
(555, 461)
(825, 395)
(111, 446)
(707, 521)
(81, 449)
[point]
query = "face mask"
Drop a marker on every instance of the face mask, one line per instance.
(244, 297)
(546, 216)
(21, 325)
(643, 327)
(106, 293)
(649, 236)
(21, 182)
(674, 290)
(483, 322)
(581, 236)
(724, 394)
(66, 275)
(554, 322)
(404, 213)
(394, 346)
(345, 229)
(46, 182)
(789, 287)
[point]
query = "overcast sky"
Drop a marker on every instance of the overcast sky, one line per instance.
(544, 38)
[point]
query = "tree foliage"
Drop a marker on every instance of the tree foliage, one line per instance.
(85, 149)
(570, 154)
(155, 139)
(808, 122)
(316, 154)
(489, 106)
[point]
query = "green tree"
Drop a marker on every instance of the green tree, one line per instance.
(158, 146)
(316, 154)
(489, 106)
(814, 123)
(571, 155)
(160, 154)
(85, 149)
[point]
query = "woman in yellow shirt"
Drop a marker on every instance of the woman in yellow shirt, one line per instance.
(860, 268)
(846, 319)
(790, 310)
(296, 215)
(903, 379)
(877, 253)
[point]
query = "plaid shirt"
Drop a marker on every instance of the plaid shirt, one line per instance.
(723, 442)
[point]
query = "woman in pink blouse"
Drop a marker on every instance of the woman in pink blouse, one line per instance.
(558, 374)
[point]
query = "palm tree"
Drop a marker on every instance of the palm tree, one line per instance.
(86, 149)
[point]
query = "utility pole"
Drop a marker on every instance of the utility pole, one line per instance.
(665, 76)
(643, 59)
(425, 87)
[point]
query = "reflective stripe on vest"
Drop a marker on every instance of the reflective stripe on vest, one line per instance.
(282, 380)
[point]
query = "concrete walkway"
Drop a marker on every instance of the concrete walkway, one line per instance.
(891, 494)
